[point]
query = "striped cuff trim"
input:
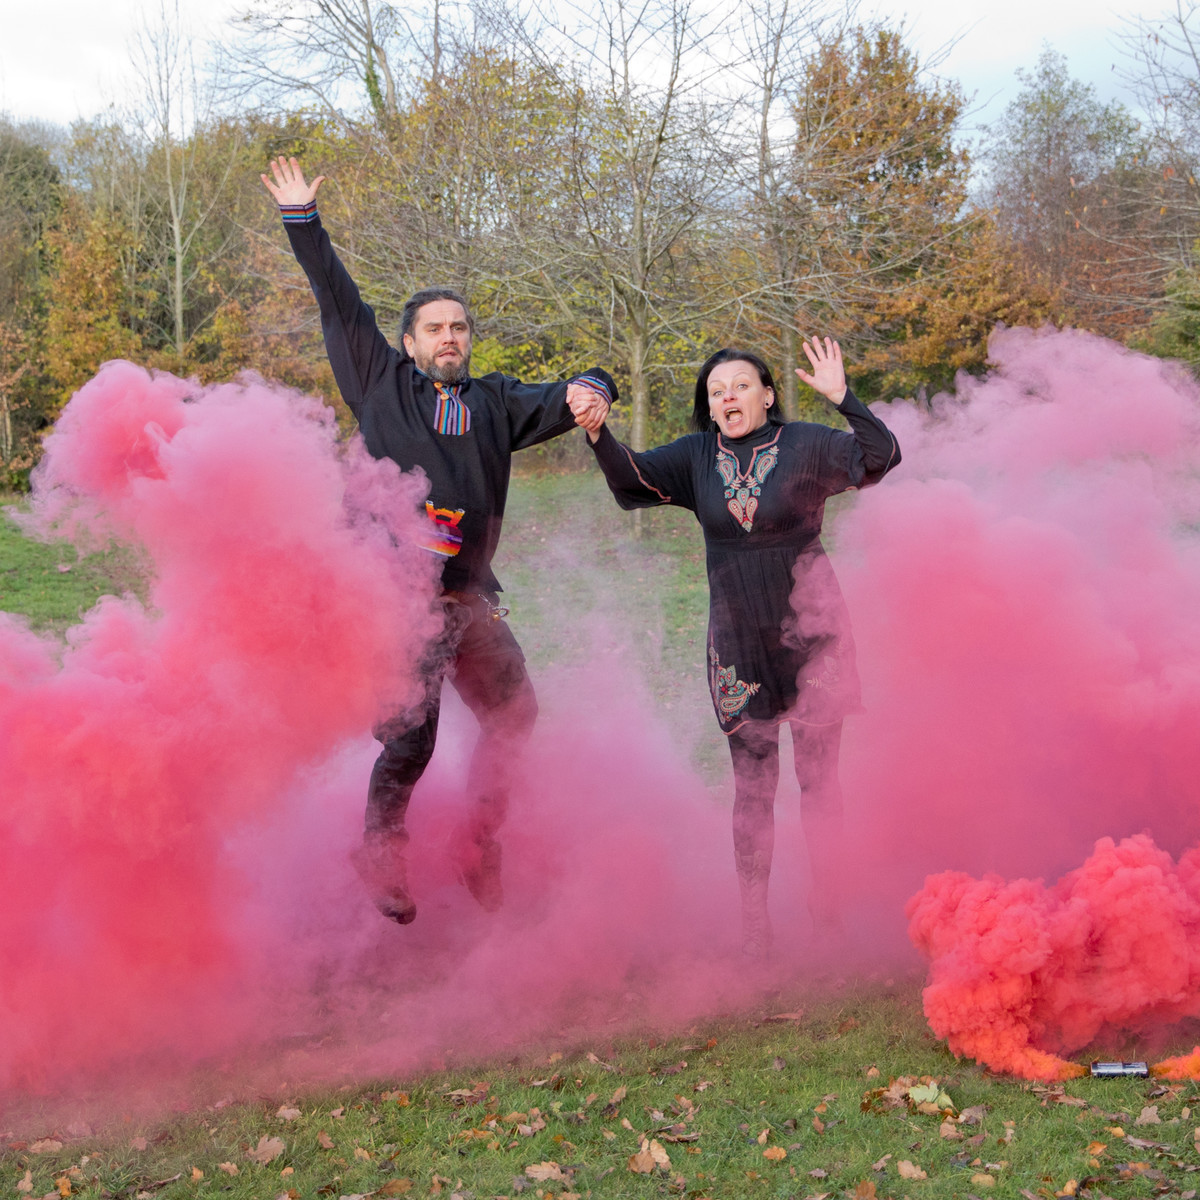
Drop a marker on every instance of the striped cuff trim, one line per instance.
(597, 385)
(298, 214)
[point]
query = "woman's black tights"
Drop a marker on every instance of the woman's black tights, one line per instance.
(755, 752)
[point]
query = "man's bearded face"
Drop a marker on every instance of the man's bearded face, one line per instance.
(440, 341)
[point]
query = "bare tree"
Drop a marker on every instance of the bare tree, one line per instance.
(627, 251)
(1088, 198)
(180, 189)
(781, 36)
(338, 52)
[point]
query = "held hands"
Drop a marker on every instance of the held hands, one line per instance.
(828, 376)
(289, 186)
(589, 408)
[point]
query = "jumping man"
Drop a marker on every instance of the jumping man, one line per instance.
(420, 406)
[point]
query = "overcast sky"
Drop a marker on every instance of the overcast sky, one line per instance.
(67, 60)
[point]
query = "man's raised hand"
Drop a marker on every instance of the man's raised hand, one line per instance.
(290, 187)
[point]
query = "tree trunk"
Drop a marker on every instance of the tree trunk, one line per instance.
(174, 206)
(639, 392)
(6, 433)
(787, 372)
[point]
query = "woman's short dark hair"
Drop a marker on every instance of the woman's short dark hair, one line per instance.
(701, 420)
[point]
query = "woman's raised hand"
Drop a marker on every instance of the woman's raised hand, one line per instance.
(828, 375)
(289, 186)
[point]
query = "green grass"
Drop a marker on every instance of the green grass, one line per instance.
(50, 583)
(715, 1100)
(566, 551)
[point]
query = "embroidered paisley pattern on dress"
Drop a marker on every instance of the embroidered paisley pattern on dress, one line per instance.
(730, 694)
(830, 676)
(743, 488)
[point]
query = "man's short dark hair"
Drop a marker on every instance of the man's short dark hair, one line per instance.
(418, 300)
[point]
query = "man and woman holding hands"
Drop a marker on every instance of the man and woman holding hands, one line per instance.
(779, 646)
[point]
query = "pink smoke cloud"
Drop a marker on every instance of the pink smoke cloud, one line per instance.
(1026, 604)
(280, 620)
(184, 781)
(188, 776)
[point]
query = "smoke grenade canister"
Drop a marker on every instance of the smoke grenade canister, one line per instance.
(1108, 1070)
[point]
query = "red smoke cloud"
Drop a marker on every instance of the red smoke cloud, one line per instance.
(1027, 605)
(1020, 973)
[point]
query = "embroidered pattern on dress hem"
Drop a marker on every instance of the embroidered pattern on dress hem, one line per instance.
(831, 673)
(730, 694)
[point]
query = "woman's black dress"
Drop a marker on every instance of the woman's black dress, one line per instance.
(779, 642)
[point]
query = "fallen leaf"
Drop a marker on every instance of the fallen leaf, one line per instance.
(703, 1085)
(287, 1114)
(872, 1072)
(880, 1163)
(1095, 1148)
(818, 1173)
(1145, 1144)
(598, 1062)
(228, 1167)
(338, 1114)
(980, 1180)
(396, 1187)
(555, 1057)
(909, 1170)
(950, 1131)
(25, 1184)
(973, 1115)
(139, 1143)
(1149, 1116)
(1116, 1131)
(778, 1064)
(762, 1137)
(818, 1124)
(361, 1152)
(641, 1163)
(267, 1150)
(64, 1187)
(287, 1171)
(543, 1171)
(864, 1190)
(660, 1156)
(324, 1140)
(46, 1146)
(1069, 1188)
(775, 1153)
(788, 1016)
(197, 1174)
(625, 1124)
